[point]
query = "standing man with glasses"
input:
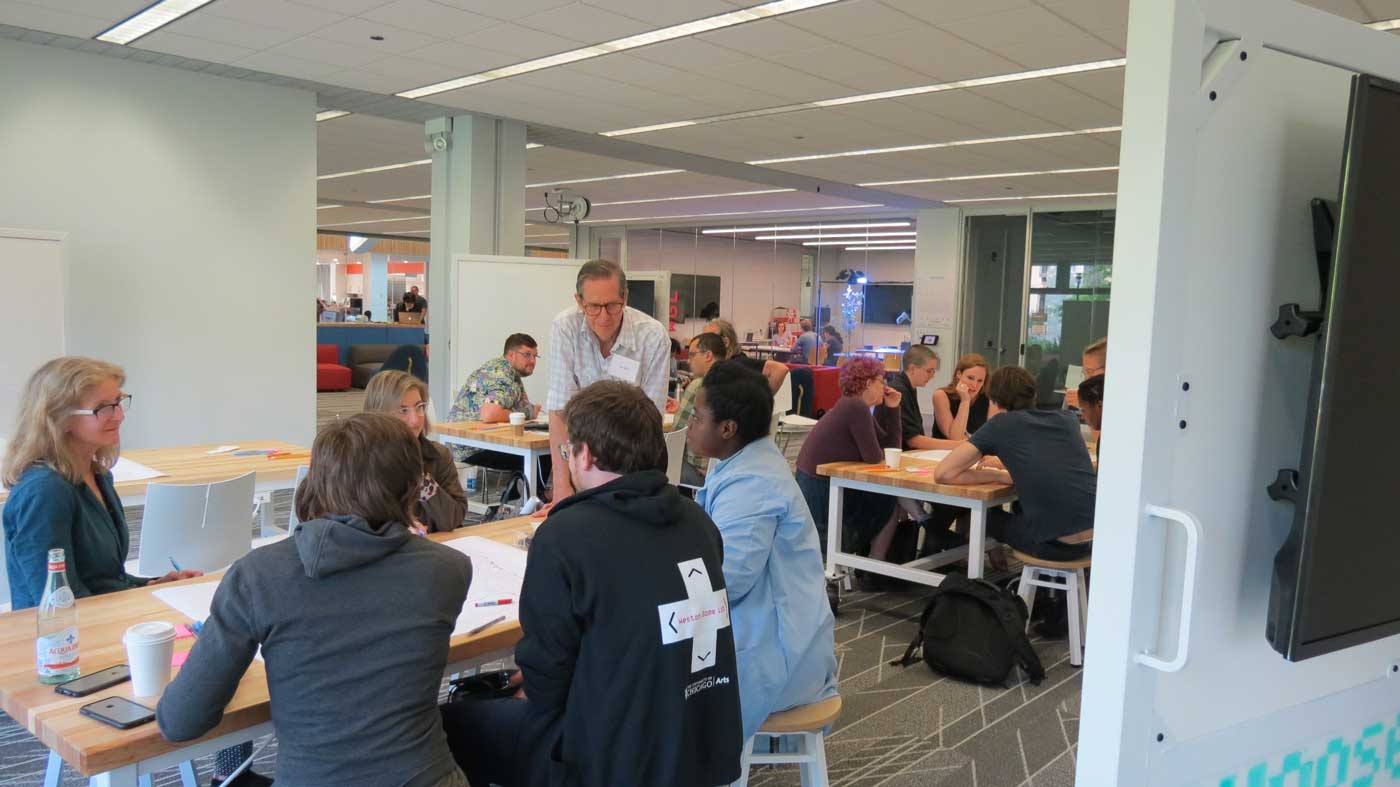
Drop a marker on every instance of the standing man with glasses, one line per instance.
(601, 339)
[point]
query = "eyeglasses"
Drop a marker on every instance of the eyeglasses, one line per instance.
(106, 412)
(529, 355)
(564, 450)
(614, 308)
(420, 408)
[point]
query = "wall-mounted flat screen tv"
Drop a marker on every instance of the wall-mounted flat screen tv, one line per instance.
(1335, 581)
(885, 302)
(641, 295)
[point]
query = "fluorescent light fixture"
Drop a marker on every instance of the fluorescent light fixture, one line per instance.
(1385, 24)
(148, 20)
(684, 198)
(961, 84)
(991, 176)
(532, 145)
(821, 236)
(376, 221)
(877, 248)
(857, 206)
(801, 227)
(871, 242)
(328, 207)
(398, 199)
(936, 145)
(368, 170)
(330, 114)
(647, 174)
(670, 33)
(1037, 196)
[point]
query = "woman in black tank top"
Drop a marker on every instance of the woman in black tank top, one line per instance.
(950, 421)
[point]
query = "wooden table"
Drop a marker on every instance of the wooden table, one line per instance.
(119, 758)
(530, 446)
(918, 486)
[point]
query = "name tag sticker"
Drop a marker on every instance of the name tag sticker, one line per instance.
(623, 368)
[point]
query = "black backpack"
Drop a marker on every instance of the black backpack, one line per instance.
(974, 630)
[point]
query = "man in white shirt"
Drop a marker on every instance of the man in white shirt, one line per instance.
(601, 339)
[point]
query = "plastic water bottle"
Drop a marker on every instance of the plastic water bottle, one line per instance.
(57, 643)
(471, 482)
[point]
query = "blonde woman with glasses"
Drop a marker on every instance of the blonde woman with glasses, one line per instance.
(58, 468)
(442, 505)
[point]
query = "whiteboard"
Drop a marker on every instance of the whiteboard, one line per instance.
(497, 296)
(34, 280)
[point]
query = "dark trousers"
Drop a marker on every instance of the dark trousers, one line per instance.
(485, 739)
(862, 516)
(1015, 531)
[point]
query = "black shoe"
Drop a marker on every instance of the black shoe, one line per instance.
(245, 779)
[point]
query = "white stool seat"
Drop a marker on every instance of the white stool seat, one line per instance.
(805, 723)
(1055, 575)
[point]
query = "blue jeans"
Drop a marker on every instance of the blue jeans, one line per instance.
(862, 513)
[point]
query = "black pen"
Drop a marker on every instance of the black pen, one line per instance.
(488, 624)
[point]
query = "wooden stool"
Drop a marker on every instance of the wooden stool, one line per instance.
(805, 722)
(1067, 576)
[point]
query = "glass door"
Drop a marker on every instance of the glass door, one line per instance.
(1071, 275)
(994, 288)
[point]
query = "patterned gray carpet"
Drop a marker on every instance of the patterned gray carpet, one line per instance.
(899, 727)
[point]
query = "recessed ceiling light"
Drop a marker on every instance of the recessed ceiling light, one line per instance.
(871, 242)
(857, 206)
(1037, 196)
(684, 197)
(999, 79)
(368, 170)
(399, 199)
(937, 145)
(991, 176)
(672, 32)
(880, 248)
(605, 177)
(330, 114)
(823, 236)
(148, 20)
(802, 227)
(1385, 24)
(532, 145)
(377, 221)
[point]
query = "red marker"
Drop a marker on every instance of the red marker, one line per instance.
(496, 603)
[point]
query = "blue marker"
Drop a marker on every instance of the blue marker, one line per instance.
(176, 565)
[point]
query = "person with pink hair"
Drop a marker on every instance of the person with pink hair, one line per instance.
(864, 422)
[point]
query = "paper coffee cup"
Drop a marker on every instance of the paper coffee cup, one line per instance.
(149, 648)
(892, 458)
(517, 419)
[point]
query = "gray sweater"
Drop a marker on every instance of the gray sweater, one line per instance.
(354, 623)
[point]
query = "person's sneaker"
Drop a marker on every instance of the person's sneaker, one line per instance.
(245, 779)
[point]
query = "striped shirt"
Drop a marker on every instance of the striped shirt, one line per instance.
(575, 360)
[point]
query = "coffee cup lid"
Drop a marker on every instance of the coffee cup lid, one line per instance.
(151, 633)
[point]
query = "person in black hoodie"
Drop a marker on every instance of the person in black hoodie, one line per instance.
(353, 616)
(627, 664)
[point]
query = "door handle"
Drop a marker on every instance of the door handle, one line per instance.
(1188, 591)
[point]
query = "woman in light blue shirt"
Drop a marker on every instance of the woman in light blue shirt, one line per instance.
(783, 626)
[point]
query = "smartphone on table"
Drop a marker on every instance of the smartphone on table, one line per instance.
(118, 712)
(97, 681)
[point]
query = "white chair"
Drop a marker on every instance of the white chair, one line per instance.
(805, 723)
(675, 454)
(292, 519)
(201, 527)
(782, 400)
(1067, 576)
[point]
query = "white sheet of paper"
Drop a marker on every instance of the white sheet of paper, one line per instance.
(930, 455)
(623, 368)
(223, 449)
(497, 572)
(127, 470)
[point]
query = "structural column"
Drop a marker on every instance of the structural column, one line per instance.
(938, 257)
(478, 208)
(377, 291)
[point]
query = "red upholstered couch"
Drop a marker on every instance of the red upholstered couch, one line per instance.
(330, 375)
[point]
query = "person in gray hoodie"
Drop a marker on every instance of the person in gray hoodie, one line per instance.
(353, 615)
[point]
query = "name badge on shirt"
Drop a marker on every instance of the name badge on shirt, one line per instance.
(621, 367)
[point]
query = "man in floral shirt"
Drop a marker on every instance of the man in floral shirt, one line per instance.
(492, 393)
(706, 350)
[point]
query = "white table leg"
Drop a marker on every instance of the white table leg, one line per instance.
(532, 471)
(125, 776)
(54, 770)
(265, 518)
(187, 776)
(977, 541)
(834, 511)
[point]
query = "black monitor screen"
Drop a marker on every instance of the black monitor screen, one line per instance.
(641, 295)
(1335, 578)
(885, 302)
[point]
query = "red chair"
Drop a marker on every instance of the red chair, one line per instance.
(826, 387)
(330, 375)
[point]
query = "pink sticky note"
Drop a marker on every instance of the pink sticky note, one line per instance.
(178, 659)
(182, 631)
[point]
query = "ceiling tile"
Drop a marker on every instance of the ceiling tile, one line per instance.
(765, 37)
(282, 14)
(1106, 85)
(791, 83)
(277, 63)
(849, 19)
(230, 31)
(505, 10)
(518, 43)
(412, 72)
(188, 46)
(1054, 103)
(1349, 9)
(372, 81)
(320, 50)
(851, 68)
(350, 7)
(357, 32)
(937, 12)
(467, 59)
(426, 16)
(604, 93)
(52, 20)
(937, 54)
(1093, 14)
(663, 13)
(690, 54)
(1381, 9)
(584, 24)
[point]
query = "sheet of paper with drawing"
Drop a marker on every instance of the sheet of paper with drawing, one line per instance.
(498, 570)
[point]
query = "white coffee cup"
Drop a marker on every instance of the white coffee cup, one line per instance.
(149, 648)
(517, 419)
(892, 456)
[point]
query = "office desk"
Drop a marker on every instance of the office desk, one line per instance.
(918, 486)
(119, 758)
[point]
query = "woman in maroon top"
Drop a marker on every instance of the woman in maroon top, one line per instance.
(853, 432)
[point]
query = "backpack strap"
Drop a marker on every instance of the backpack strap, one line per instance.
(911, 654)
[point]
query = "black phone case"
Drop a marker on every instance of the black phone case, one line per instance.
(65, 690)
(90, 712)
